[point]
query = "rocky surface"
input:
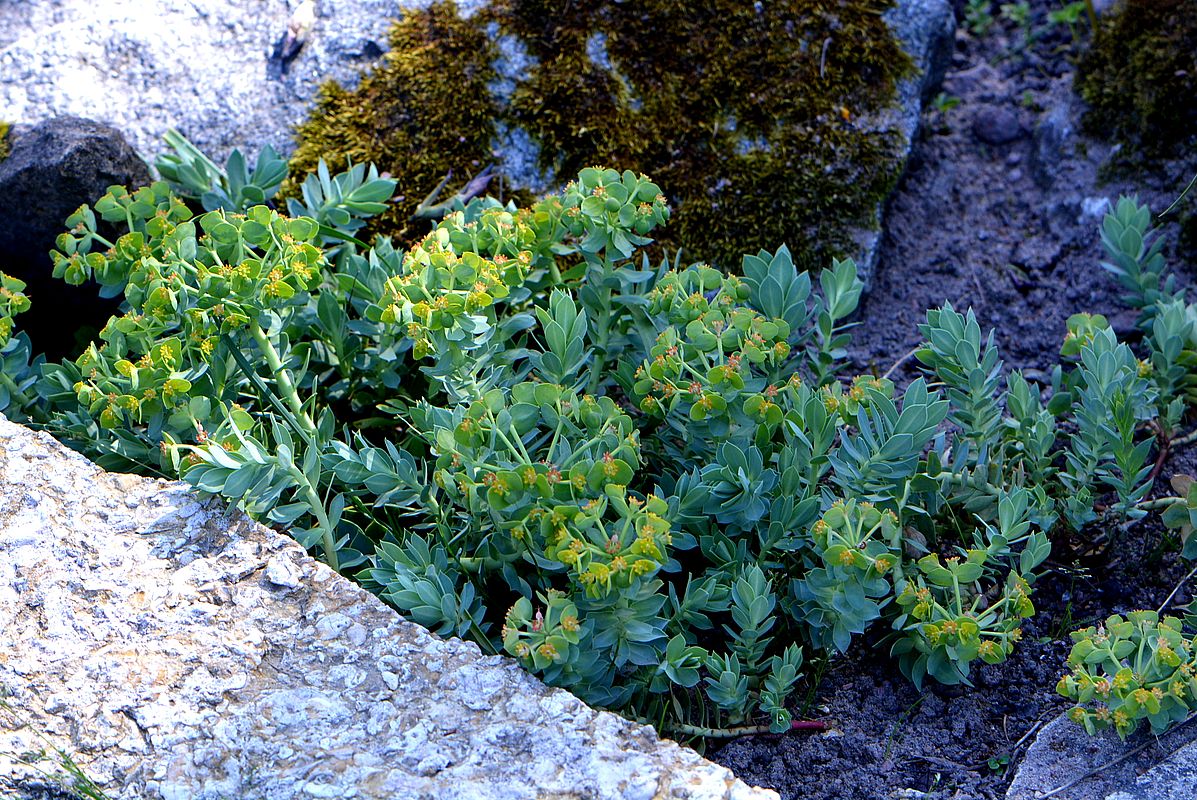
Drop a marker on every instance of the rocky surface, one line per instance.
(212, 68)
(215, 69)
(927, 31)
(53, 168)
(1142, 768)
(178, 652)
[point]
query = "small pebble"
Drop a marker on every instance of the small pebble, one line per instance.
(996, 125)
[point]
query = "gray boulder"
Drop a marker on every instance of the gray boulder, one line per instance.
(927, 31)
(206, 67)
(178, 652)
(54, 167)
(1142, 768)
(996, 125)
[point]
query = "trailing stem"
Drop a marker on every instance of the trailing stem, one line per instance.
(282, 378)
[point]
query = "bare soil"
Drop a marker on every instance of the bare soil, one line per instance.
(1010, 230)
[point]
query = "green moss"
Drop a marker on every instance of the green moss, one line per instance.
(1140, 77)
(749, 119)
(746, 117)
(425, 110)
(4, 126)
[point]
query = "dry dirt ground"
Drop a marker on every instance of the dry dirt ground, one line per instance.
(1009, 229)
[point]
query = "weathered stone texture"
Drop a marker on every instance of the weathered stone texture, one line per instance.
(184, 653)
(204, 66)
(1144, 767)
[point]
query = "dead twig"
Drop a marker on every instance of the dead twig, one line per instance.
(906, 357)
(1175, 589)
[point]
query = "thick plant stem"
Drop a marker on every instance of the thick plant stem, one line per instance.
(1157, 504)
(328, 540)
(740, 730)
(969, 481)
(1188, 438)
(291, 397)
(283, 378)
(600, 351)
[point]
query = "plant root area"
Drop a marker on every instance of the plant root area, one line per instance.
(998, 211)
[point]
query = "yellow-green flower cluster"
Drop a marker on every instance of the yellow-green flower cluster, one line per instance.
(441, 291)
(567, 502)
(1126, 670)
(12, 302)
(947, 620)
(545, 636)
(185, 289)
(151, 215)
(152, 384)
(857, 535)
(706, 355)
(612, 212)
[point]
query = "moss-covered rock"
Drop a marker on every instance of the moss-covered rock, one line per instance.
(4, 126)
(424, 111)
(757, 119)
(1140, 77)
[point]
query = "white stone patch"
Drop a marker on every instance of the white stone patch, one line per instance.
(179, 652)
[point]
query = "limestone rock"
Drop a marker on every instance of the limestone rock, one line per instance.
(1164, 770)
(207, 67)
(176, 651)
(927, 31)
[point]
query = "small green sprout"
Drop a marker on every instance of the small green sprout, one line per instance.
(978, 16)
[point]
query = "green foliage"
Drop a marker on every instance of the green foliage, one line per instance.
(341, 204)
(12, 302)
(1136, 260)
(1180, 513)
(1110, 399)
(978, 16)
(944, 102)
(4, 146)
(649, 483)
(17, 367)
(1141, 667)
(1018, 13)
(1070, 14)
(234, 188)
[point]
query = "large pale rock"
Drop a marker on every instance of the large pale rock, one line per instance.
(927, 31)
(181, 653)
(206, 67)
(1164, 769)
